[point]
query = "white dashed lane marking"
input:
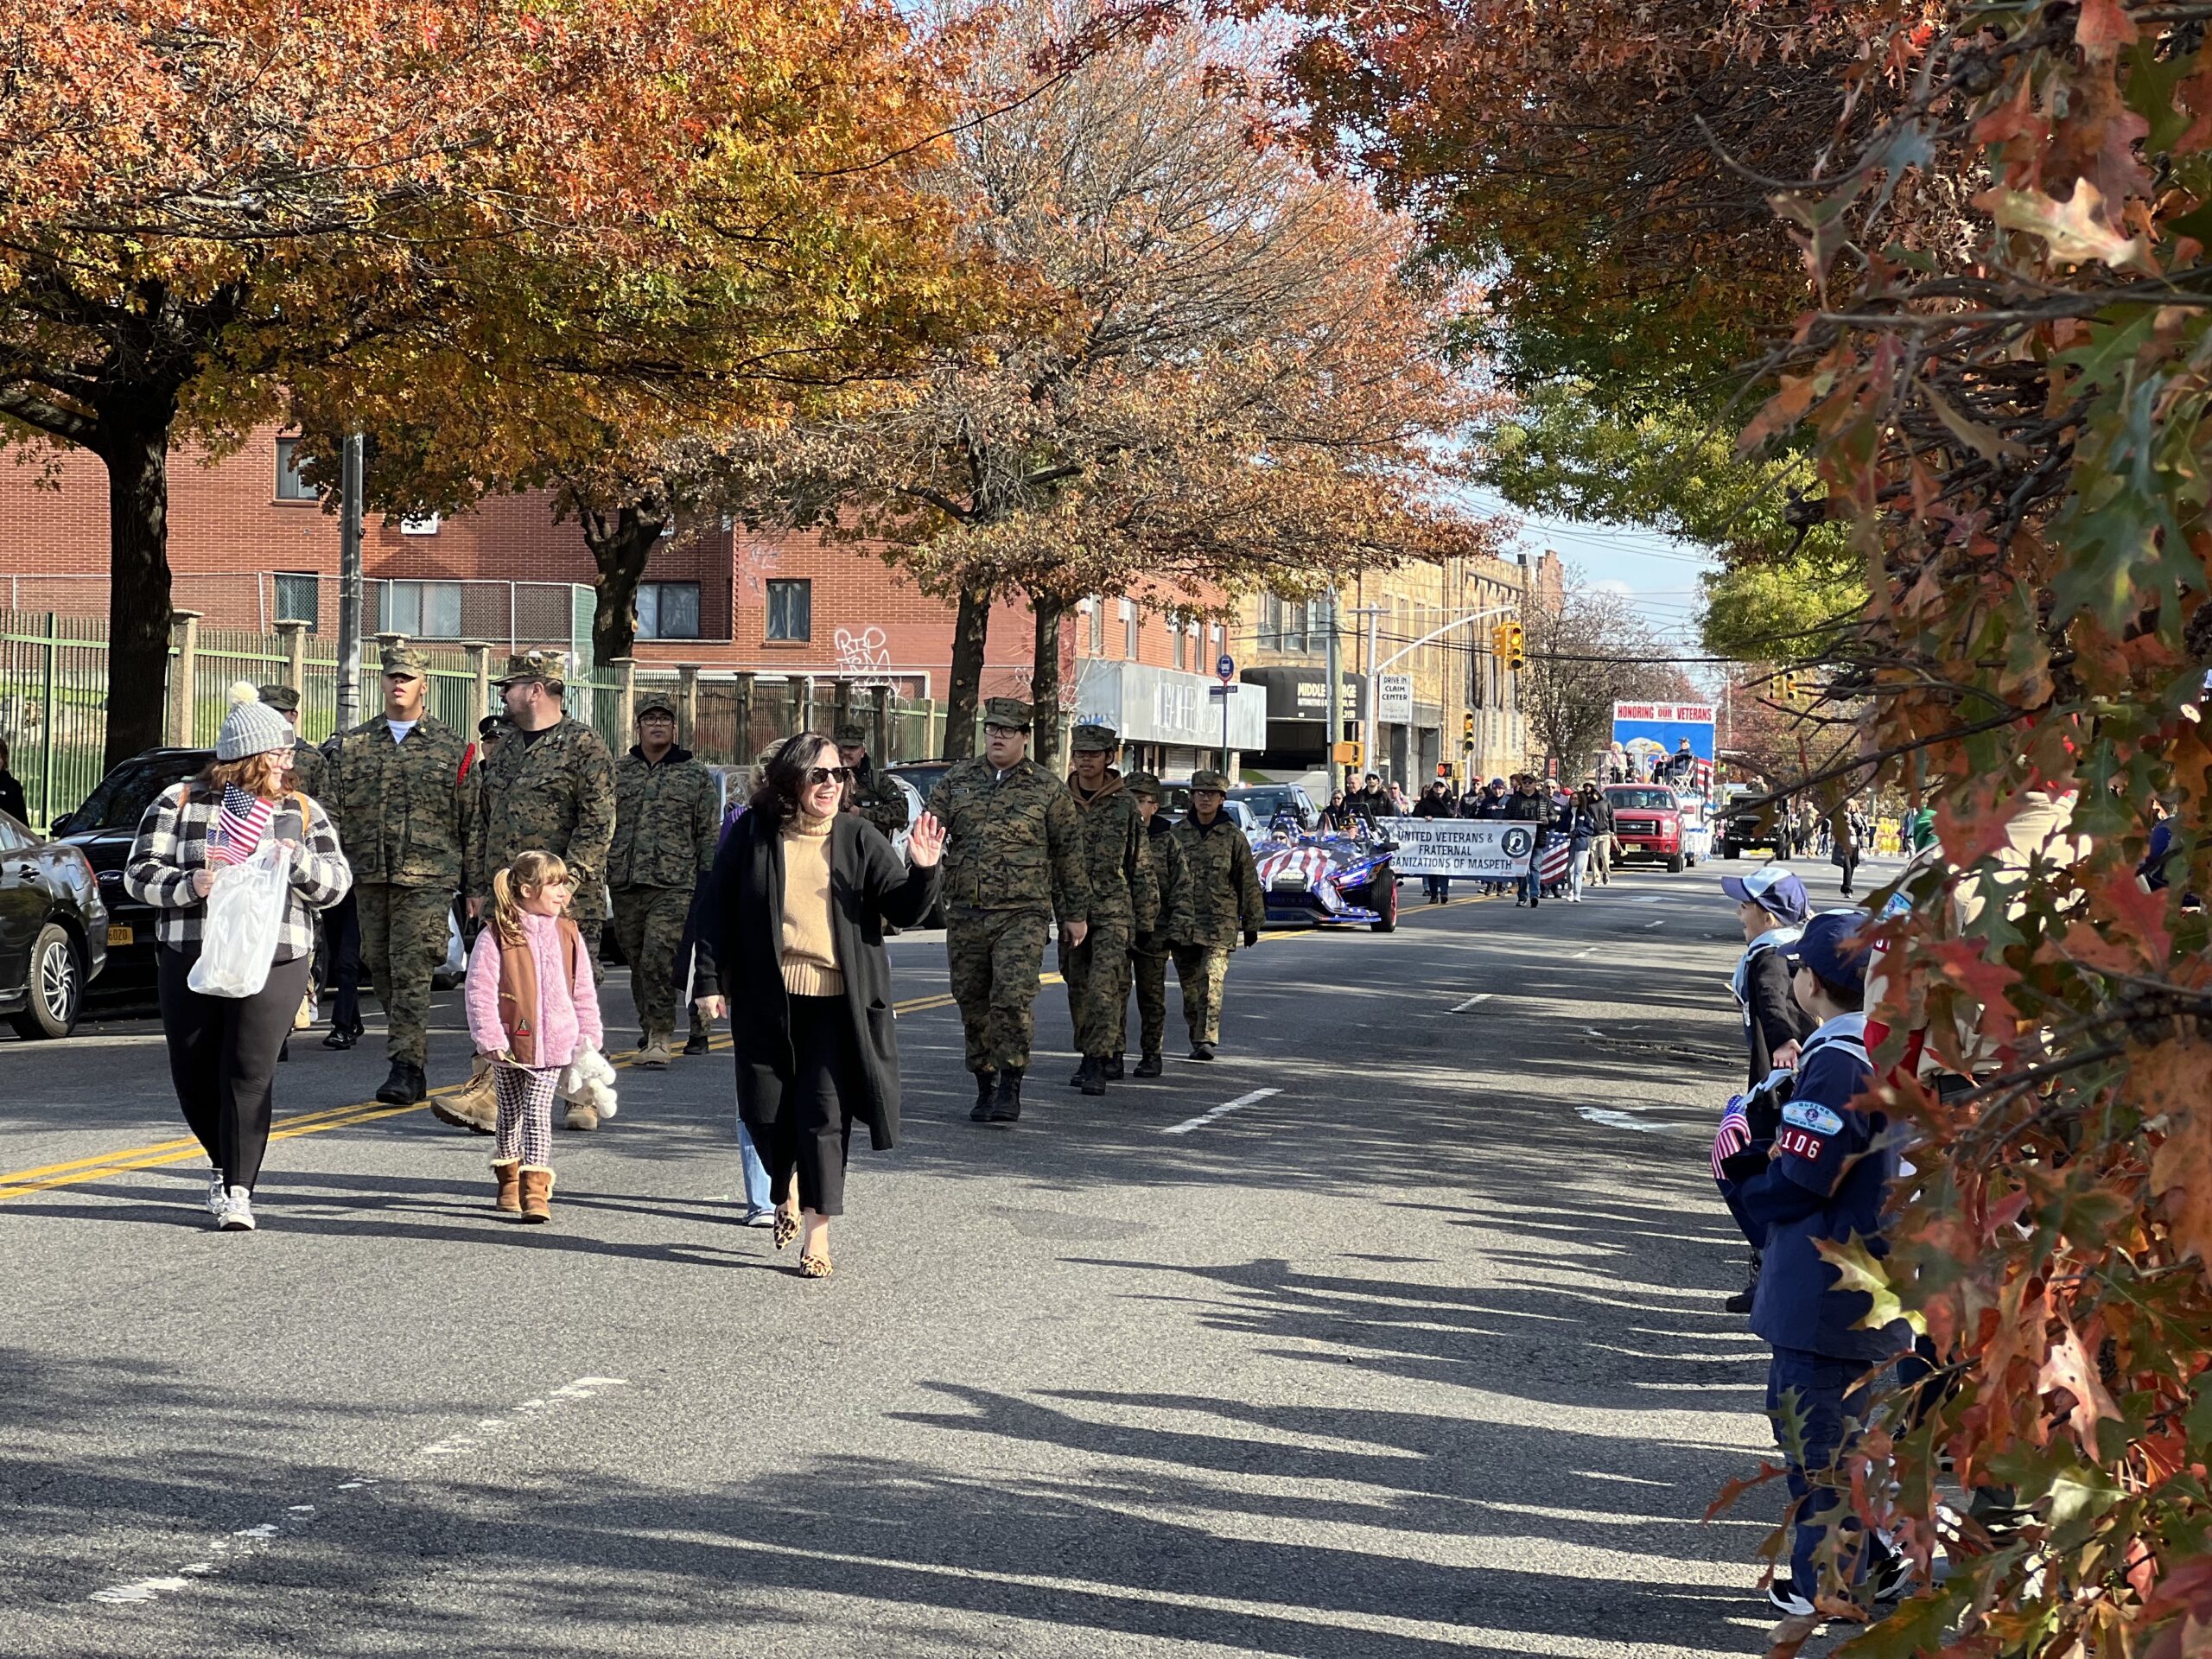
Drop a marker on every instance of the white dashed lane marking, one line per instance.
(1479, 996)
(1204, 1118)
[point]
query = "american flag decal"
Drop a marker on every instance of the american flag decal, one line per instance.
(239, 827)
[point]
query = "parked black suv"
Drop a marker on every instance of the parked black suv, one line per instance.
(52, 931)
(103, 829)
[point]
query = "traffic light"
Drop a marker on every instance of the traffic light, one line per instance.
(1516, 648)
(1788, 684)
(1467, 732)
(1349, 753)
(1498, 637)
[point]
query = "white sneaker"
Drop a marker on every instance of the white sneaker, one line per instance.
(215, 1193)
(237, 1212)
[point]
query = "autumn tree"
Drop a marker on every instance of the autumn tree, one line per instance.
(1216, 370)
(208, 208)
(1584, 655)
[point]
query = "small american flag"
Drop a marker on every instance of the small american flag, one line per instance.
(1735, 1136)
(239, 827)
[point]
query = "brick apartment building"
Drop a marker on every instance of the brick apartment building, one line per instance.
(250, 546)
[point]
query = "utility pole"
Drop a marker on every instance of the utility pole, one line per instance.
(1374, 692)
(1335, 720)
(349, 586)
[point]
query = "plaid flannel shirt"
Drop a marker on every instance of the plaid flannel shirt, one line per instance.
(173, 843)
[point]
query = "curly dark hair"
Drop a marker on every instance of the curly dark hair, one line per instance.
(783, 775)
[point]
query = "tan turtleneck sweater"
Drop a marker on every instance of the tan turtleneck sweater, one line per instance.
(810, 960)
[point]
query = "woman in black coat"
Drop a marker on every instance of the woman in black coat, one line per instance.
(794, 915)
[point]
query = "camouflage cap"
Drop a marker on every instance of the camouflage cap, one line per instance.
(1094, 740)
(850, 735)
(405, 659)
(1007, 711)
(282, 698)
(1209, 780)
(550, 666)
(654, 703)
(1142, 782)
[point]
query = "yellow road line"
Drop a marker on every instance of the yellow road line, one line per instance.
(46, 1177)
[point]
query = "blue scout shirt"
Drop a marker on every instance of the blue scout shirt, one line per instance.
(1813, 1189)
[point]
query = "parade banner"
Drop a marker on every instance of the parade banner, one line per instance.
(1494, 849)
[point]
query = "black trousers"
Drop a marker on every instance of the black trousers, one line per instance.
(341, 940)
(812, 1135)
(223, 1058)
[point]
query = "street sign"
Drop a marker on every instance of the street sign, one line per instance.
(1394, 699)
(1223, 690)
(1225, 666)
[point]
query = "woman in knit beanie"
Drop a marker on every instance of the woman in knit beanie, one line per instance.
(223, 1050)
(793, 916)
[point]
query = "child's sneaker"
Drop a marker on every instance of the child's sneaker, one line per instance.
(1783, 1597)
(237, 1212)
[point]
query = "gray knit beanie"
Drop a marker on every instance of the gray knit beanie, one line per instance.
(252, 727)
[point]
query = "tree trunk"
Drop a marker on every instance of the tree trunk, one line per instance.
(970, 634)
(1044, 682)
(135, 447)
(620, 543)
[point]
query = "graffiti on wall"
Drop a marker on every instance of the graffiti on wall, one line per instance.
(862, 650)
(757, 559)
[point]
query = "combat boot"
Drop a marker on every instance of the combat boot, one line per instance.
(1201, 1051)
(1150, 1067)
(1092, 1077)
(1114, 1068)
(696, 1044)
(987, 1088)
(653, 1056)
(404, 1086)
(476, 1106)
(1006, 1104)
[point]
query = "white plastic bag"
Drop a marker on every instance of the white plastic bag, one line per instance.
(245, 913)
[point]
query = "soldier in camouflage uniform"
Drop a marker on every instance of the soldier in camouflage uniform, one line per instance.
(549, 787)
(1149, 951)
(1013, 858)
(667, 823)
(309, 769)
(879, 800)
(1224, 883)
(403, 809)
(1124, 902)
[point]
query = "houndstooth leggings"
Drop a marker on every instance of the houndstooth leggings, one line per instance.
(526, 1126)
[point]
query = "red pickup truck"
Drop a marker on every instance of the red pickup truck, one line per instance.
(1648, 824)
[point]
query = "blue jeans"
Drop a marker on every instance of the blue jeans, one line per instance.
(758, 1199)
(1832, 1401)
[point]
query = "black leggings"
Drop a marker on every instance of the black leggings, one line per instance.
(223, 1058)
(812, 1135)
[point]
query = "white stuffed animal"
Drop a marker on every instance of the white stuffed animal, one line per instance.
(588, 1081)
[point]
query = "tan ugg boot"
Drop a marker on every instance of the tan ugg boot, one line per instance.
(474, 1106)
(536, 1193)
(508, 1173)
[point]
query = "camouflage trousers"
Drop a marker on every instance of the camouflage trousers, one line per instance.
(1202, 970)
(994, 955)
(1098, 990)
(402, 942)
(1147, 971)
(649, 926)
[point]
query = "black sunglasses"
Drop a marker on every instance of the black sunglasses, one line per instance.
(817, 776)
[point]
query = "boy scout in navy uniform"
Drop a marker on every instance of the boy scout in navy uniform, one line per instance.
(1826, 1178)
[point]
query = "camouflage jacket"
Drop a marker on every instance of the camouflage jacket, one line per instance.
(554, 795)
(403, 810)
(878, 799)
(1123, 885)
(1224, 881)
(1164, 854)
(1011, 843)
(668, 819)
(311, 772)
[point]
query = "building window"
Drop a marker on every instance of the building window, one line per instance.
(1132, 625)
(1216, 632)
(1181, 638)
(791, 610)
(1097, 609)
(423, 610)
(1270, 622)
(668, 610)
(299, 598)
(290, 487)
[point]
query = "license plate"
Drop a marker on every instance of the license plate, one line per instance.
(119, 936)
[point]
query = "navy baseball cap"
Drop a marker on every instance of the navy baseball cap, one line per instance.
(1831, 947)
(1774, 888)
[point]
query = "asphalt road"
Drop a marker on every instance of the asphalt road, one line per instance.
(1416, 1351)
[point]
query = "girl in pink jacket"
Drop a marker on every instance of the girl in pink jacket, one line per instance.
(532, 1008)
